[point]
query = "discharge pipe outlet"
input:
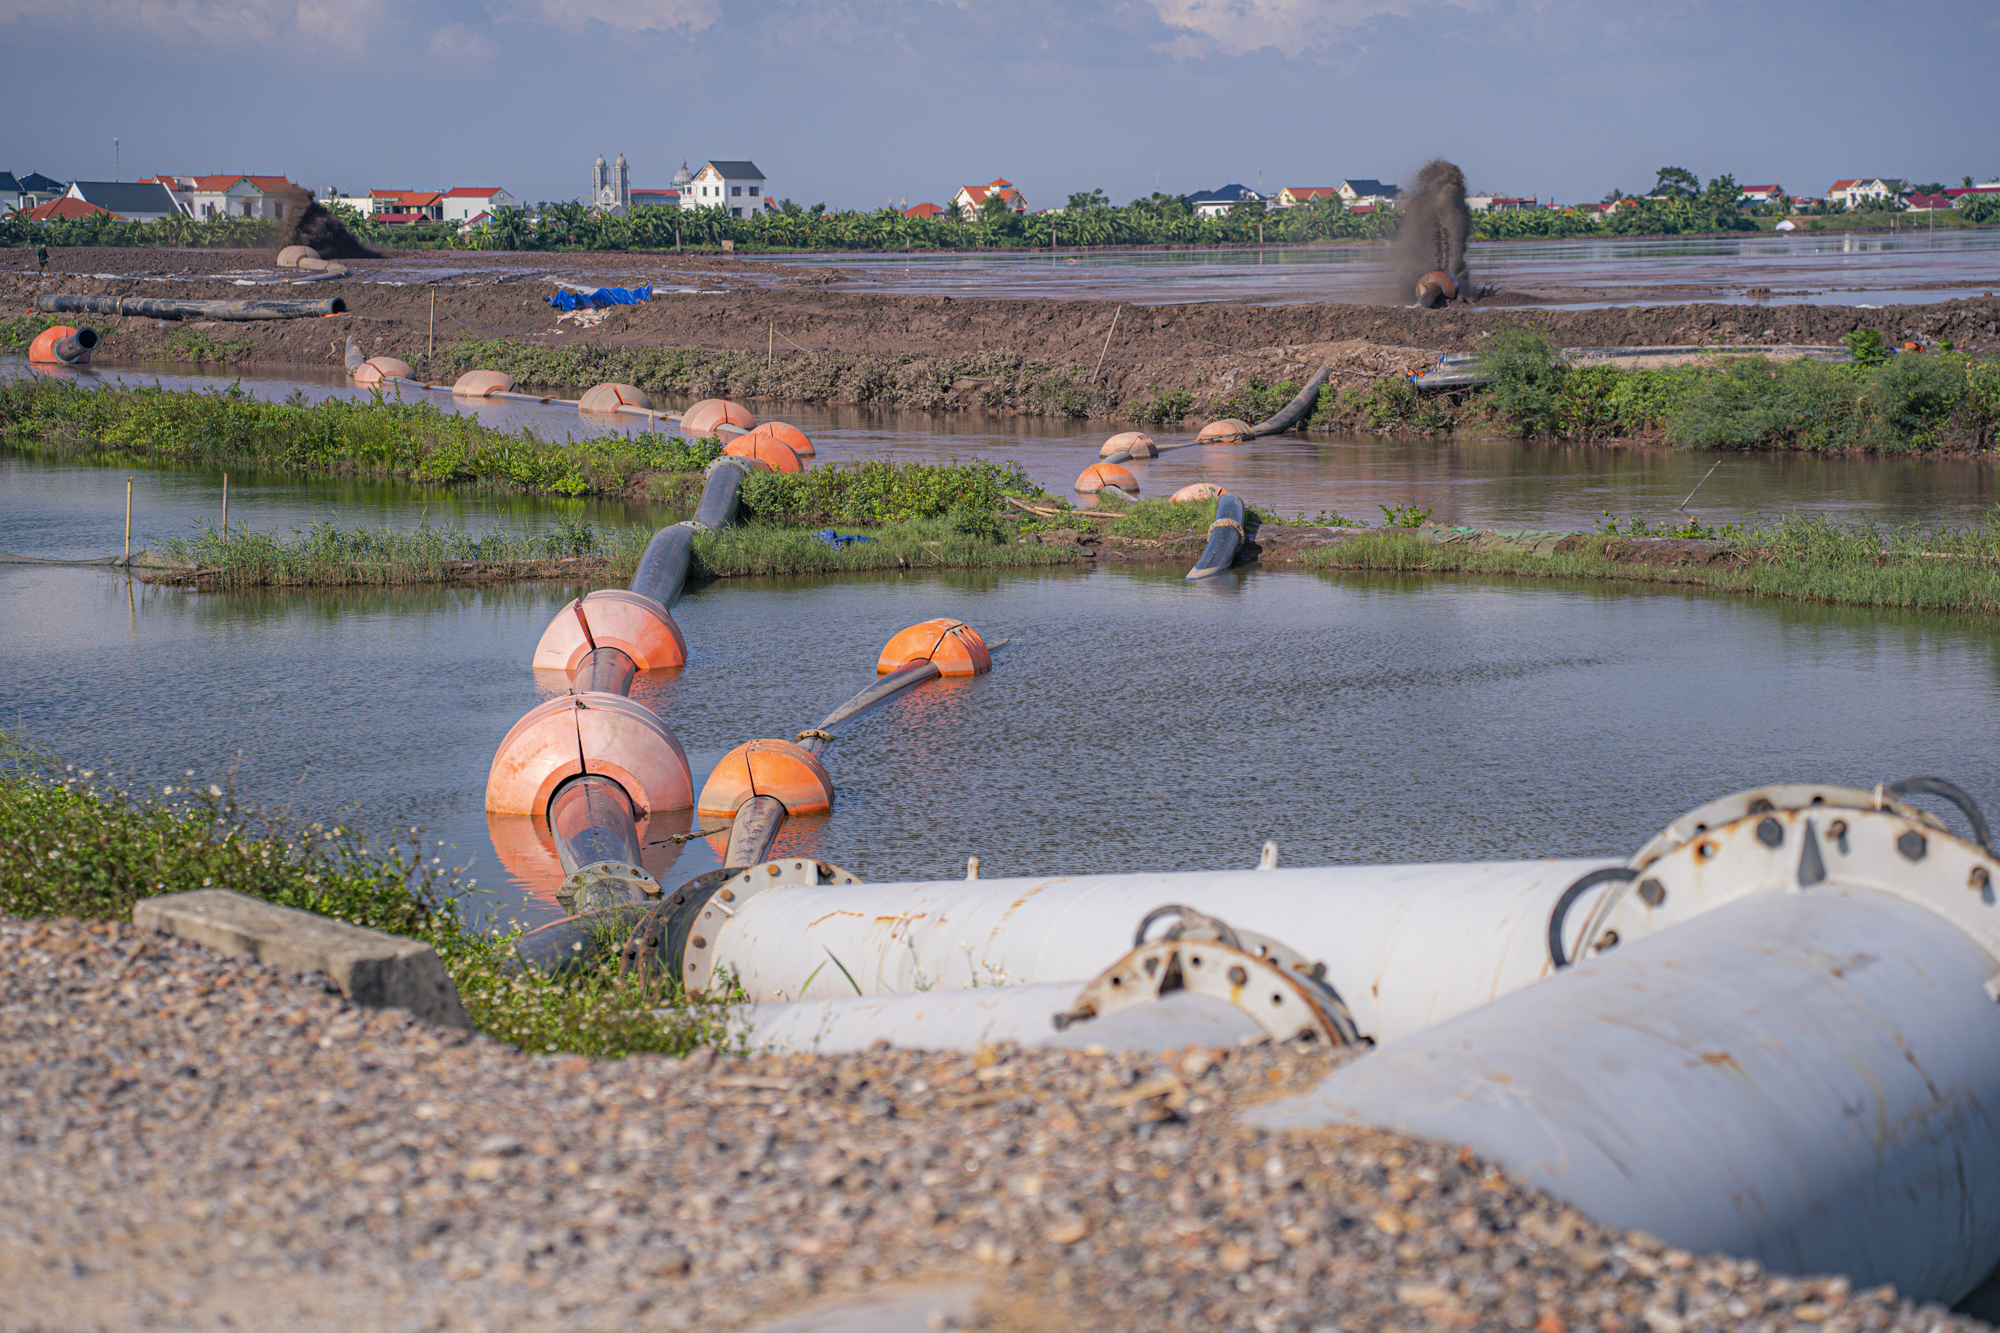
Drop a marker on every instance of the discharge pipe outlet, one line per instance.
(53, 304)
(1225, 536)
(61, 345)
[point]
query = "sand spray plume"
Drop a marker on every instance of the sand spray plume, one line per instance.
(1432, 239)
(308, 222)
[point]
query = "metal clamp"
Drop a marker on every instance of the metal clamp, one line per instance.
(1288, 997)
(606, 884)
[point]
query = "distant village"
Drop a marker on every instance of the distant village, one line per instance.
(741, 190)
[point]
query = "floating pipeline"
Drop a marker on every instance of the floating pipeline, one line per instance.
(1108, 473)
(61, 345)
(50, 303)
(1225, 536)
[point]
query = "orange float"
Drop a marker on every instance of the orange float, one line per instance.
(706, 415)
(634, 624)
(480, 383)
(1201, 490)
(954, 645)
(1106, 476)
(1135, 443)
(61, 345)
(772, 452)
(789, 435)
(378, 368)
(790, 773)
(1226, 431)
(608, 398)
(592, 732)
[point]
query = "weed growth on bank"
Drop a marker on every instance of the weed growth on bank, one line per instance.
(327, 555)
(380, 437)
(74, 843)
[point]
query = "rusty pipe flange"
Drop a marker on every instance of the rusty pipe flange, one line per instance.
(612, 618)
(660, 938)
(606, 883)
(698, 959)
(1757, 800)
(1809, 849)
(1288, 1004)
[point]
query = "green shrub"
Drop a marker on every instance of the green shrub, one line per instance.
(1913, 397)
(1751, 402)
(1526, 374)
(882, 492)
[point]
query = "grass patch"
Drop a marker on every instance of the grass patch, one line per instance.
(881, 492)
(199, 345)
(378, 437)
(1797, 559)
(73, 845)
(326, 555)
(994, 380)
(1889, 404)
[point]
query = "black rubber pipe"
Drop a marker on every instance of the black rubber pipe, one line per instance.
(604, 671)
(1225, 535)
(1294, 412)
(53, 304)
(593, 821)
(663, 569)
(718, 497)
(77, 347)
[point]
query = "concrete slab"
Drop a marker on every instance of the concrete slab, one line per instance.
(371, 967)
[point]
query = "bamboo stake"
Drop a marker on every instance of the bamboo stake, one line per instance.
(770, 342)
(1107, 340)
(430, 344)
(225, 502)
(128, 520)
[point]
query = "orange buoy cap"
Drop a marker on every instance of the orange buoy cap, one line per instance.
(608, 398)
(706, 415)
(480, 383)
(786, 433)
(787, 772)
(772, 452)
(1135, 443)
(1226, 431)
(634, 624)
(605, 734)
(1106, 476)
(953, 645)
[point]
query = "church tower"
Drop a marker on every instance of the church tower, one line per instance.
(624, 174)
(600, 178)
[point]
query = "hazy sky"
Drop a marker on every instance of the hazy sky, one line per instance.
(858, 102)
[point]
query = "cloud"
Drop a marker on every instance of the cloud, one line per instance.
(347, 25)
(1292, 27)
(456, 44)
(682, 16)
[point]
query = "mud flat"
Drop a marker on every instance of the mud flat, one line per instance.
(188, 1141)
(1106, 355)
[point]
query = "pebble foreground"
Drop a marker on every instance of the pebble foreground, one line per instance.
(188, 1141)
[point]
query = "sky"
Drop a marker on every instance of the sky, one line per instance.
(856, 103)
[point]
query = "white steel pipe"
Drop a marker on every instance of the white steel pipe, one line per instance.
(1807, 1078)
(965, 1020)
(1406, 946)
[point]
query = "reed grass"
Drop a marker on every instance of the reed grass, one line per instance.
(327, 555)
(759, 548)
(1912, 568)
(74, 843)
(375, 437)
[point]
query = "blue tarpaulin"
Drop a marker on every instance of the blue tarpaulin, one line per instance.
(601, 298)
(832, 538)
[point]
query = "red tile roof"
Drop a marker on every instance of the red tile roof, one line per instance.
(926, 209)
(472, 192)
(67, 209)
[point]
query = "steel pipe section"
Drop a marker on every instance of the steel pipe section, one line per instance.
(1406, 946)
(965, 1020)
(593, 821)
(1807, 1078)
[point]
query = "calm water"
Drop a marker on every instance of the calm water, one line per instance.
(1136, 721)
(1912, 267)
(1481, 482)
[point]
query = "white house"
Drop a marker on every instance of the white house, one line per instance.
(1863, 190)
(138, 201)
(736, 186)
(467, 202)
(1300, 196)
(970, 197)
(1217, 203)
(1367, 192)
(1761, 194)
(1499, 203)
(229, 196)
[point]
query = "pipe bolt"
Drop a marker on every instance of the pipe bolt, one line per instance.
(1980, 880)
(1771, 833)
(1238, 977)
(1652, 892)
(698, 942)
(1912, 845)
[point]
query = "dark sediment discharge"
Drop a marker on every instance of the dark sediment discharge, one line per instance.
(1436, 226)
(308, 222)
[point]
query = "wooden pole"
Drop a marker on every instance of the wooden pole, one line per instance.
(430, 345)
(770, 342)
(128, 520)
(1107, 341)
(225, 502)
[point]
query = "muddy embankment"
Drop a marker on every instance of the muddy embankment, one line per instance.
(758, 330)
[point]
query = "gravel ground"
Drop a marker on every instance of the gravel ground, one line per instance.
(188, 1141)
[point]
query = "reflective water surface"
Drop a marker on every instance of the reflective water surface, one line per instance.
(1135, 721)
